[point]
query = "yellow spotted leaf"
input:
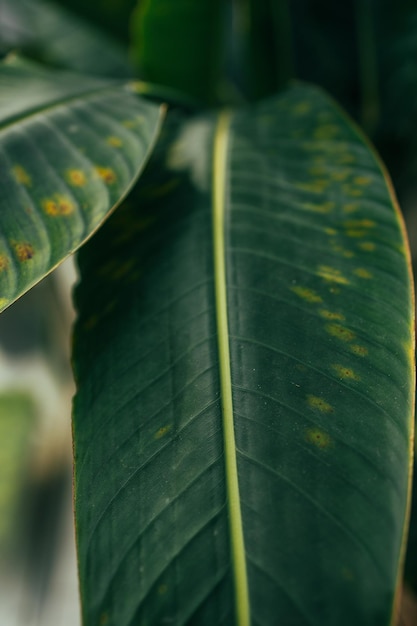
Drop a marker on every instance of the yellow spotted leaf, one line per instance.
(243, 441)
(60, 176)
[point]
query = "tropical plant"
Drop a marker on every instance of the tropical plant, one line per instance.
(243, 351)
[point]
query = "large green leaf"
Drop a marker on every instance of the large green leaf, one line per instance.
(70, 148)
(53, 35)
(179, 45)
(243, 353)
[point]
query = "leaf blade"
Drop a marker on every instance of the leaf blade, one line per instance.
(52, 35)
(178, 57)
(322, 418)
(71, 147)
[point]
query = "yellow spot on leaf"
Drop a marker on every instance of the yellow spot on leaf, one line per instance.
(307, 294)
(324, 207)
(162, 589)
(345, 372)
(318, 438)
(58, 205)
(330, 231)
(351, 207)
(315, 402)
(368, 246)
(3, 302)
(326, 132)
(363, 273)
(76, 178)
(4, 262)
(115, 142)
(332, 274)
(302, 108)
(104, 619)
(330, 315)
(316, 186)
(163, 431)
(352, 232)
(129, 123)
(348, 254)
(359, 224)
(359, 350)
(340, 332)
(66, 207)
(346, 158)
(340, 175)
(50, 207)
(106, 174)
(24, 251)
(355, 192)
(22, 176)
(362, 180)
(317, 170)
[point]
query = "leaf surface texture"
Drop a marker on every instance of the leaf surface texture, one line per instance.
(318, 308)
(70, 149)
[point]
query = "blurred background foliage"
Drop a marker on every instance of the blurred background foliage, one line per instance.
(363, 52)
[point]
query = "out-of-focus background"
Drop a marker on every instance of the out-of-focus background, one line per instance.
(38, 577)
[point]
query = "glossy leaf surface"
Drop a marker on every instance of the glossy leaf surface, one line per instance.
(244, 358)
(48, 33)
(70, 148)
(188, 57)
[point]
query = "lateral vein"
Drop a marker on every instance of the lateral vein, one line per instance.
(232, 481)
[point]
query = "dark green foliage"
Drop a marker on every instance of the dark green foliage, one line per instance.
(244, 346)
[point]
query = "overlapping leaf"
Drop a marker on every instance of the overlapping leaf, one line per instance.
(266, 37)
(46, 32)
(276, 492)
(188, 57)
(70, 148)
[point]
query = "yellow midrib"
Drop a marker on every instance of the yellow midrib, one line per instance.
(232, 481)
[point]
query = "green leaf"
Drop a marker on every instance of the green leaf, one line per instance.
(111, 16)
(179, 45)
(70, 149)
(266, 39)
(326, 48)
(17, 421)
(244, 359)
(50, 34)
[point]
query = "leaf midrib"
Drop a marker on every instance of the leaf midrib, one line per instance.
(221, 140)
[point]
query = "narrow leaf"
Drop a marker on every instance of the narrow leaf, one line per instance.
(70, 148)
(266, 38)
(179, 45)
(17, 422)
(49, 33)
(244, 359)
